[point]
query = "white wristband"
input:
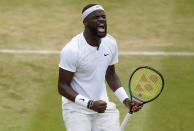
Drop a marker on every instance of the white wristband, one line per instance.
(81, 100)
(121, 94)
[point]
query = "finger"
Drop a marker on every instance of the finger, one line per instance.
(102, 107)
(102, 104)
(128, 106)
(102, 110)
(137, 102)
(136, 108)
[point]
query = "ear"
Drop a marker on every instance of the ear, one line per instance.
(85, 22)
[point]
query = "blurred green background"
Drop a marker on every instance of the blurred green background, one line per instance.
(29, 99)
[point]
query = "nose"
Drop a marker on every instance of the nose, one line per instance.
(101, 18)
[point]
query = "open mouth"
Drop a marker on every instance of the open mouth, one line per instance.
(101, 28)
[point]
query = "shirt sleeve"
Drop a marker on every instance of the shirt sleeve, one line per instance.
(68, 59)
(114, 51)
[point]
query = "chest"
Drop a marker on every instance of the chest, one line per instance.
(94, 60)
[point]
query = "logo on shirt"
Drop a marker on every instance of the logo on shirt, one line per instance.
(106, 54)
(82, 99)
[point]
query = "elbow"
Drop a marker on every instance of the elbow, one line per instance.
(59, 89)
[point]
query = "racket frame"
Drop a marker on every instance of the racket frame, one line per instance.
(131, 94)
(129, 114)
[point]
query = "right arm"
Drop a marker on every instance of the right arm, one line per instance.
(65, 89)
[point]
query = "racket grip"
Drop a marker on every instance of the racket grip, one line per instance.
(125, 121)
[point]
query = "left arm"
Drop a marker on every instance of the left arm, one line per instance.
(112, 78)
(114, 83)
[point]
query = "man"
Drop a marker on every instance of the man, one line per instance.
(85, 63)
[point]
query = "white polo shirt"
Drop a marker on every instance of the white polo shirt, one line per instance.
(89, 65)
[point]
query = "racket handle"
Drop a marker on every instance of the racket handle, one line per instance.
(125, 121)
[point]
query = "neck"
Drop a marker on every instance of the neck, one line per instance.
(91, 39)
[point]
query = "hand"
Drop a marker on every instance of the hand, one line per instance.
(136, 105)
(99, 106)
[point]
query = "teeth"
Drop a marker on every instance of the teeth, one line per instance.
(101, 26)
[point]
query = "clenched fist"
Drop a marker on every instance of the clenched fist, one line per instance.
(99, 106)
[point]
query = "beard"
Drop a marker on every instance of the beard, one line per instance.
(95, 32)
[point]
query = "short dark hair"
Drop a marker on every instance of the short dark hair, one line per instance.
(88, 6)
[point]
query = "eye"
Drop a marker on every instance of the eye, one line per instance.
(100, 16)
(104, 16)
(96, 17)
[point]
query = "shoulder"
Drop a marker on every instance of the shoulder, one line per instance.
(72, 47)
(110, 39)
(110, 42)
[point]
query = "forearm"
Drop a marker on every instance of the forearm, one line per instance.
(64, 88)
(113, 81)
(66, 91)
(115, 84)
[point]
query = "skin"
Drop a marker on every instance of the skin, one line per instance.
(93, 20)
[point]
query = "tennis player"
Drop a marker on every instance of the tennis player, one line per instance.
(85, 63)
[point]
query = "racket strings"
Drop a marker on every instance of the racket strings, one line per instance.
(146, 84)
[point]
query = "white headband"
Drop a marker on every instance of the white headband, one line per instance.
(90, 10)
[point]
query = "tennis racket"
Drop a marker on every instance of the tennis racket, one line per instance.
(145, 85)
